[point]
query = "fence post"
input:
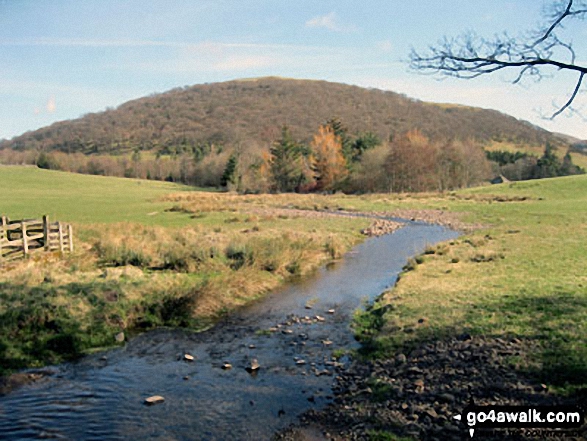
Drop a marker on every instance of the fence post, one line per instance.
(60, 236)
(70, 234)
(46, 231)
(25, 242)
(2, 233)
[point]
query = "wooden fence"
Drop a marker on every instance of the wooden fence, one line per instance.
(20, 238)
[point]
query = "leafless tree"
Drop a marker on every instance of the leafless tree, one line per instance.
(471, 56)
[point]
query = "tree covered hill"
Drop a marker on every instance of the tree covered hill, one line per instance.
(254, 111)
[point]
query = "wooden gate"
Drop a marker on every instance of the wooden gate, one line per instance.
(21, 237)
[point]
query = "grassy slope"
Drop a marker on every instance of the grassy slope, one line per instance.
(177, 268)
(29, 192)
(524, 276)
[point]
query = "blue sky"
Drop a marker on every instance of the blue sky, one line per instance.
(60, 59)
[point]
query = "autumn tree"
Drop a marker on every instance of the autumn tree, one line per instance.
(411, 163)
(460, 164)
(328, 161)
(342, 133)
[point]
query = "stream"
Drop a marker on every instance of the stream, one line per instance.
(101, 396)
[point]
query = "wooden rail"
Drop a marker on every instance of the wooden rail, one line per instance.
(21, 237)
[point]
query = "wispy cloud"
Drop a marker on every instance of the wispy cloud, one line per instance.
(385, 46)
(202, 45)
(80, 42)
(243, 62)
(255, 59)
(51, 106)
(331, 22)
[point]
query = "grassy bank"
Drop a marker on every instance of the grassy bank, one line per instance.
(522, 276)
(144, 259)
(151, 254)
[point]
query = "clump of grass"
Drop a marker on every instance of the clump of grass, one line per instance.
(238, 255)
(430, 249)
(122, 255)
(334, 247)
(486, 257)
(411, 265)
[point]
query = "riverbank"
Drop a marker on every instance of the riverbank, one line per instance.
(498, 315)
(164, 266)
(297, 335)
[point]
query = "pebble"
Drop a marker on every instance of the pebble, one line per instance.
(423, 391)
(155, 399)
(188, 357)
(254, 366)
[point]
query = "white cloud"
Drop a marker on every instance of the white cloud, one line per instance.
(385, 45)
(242, 62)
(329, 21)
(51, 105)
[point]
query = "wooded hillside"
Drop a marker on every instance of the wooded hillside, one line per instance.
(254, 111)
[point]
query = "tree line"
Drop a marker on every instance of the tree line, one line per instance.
(521, 166)
(333, 160)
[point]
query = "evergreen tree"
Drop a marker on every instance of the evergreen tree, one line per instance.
(230, 176)
(364, 142)
(548, 165)
(288, 163)
(342, 133)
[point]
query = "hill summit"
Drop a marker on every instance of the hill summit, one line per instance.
(255, 110)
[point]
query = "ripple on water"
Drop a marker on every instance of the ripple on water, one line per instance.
(102, 399)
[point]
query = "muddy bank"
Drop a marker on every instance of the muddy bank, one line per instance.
(416, 395)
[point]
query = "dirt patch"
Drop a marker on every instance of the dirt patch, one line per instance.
(417, 394)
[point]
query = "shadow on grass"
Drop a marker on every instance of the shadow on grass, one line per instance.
(47, 324)
(559, 322)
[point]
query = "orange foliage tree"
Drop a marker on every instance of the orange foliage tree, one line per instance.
(328, 161)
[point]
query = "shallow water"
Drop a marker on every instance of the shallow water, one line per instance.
(100, 397)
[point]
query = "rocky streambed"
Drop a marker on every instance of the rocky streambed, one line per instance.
(416, 395)
(296, 336)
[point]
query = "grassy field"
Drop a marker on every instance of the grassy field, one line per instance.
(147, 254)
(523, 276)
(28, 192)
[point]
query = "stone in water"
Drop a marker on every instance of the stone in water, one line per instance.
(155, 399)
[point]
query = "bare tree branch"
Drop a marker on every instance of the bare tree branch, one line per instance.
(571, 99)
(470, 56)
